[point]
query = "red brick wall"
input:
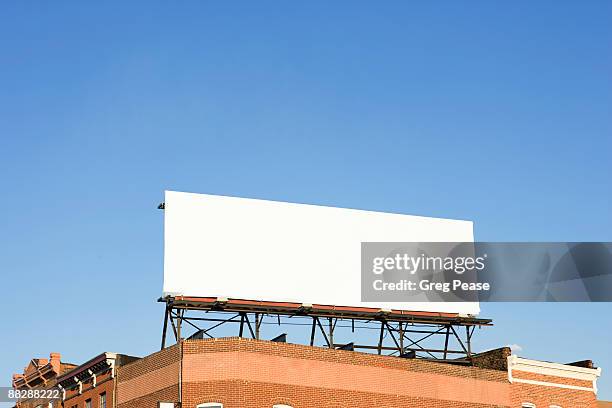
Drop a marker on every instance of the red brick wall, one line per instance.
(146, 381)
(237, 344)
(244, 394)
(544, 396)
(242, 373)
(104, 384)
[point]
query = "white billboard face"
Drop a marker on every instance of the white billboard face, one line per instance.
(216, 246)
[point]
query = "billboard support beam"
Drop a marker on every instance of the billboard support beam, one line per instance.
(446, 338)
(401, 337)
(165, 328)
(329, 344)
(332, 325)
(257, 325)
(313, 331)
(401, 333)
(381, 337)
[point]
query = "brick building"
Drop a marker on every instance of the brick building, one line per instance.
(236, 372)
(92, 384)
(247, 373)
(41, 374)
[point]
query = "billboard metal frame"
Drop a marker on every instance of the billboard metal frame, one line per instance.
(405, 331)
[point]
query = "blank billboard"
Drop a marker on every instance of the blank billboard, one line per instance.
(218, 246)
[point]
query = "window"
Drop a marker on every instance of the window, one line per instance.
(103, 400)
(88, 403)
(165, 405)
(528, 405)
(210, 405)
(555, 406)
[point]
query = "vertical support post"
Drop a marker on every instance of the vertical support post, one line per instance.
(173, 324)
(257, 324)
(312, 331)
(179, 323)
(401, 337)
(469, 341)
(446, 341)
(163, 342)
(381, 337)
(241, 331)
(331, 333)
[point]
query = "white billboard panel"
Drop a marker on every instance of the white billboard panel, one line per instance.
(218, 246)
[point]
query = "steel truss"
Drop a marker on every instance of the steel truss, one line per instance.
(405, 334)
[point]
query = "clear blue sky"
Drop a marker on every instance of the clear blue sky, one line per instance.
(496, 112)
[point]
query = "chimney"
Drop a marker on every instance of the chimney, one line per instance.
(54, 361)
